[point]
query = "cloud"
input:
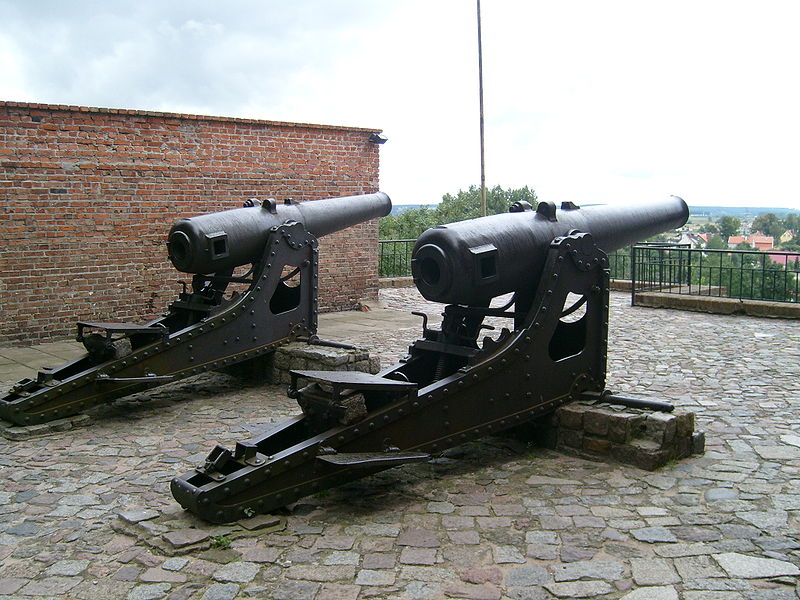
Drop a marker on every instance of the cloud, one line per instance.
(156, 55)
(698, 99)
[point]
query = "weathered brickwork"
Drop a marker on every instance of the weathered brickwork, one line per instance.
(87, 196)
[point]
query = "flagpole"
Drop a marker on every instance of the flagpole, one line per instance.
(480, 100)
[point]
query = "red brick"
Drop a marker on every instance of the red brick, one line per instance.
(121, 177)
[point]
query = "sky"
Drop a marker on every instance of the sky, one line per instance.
(592, 102)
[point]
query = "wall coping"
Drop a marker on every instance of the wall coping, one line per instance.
(720, 306)
(180, 116)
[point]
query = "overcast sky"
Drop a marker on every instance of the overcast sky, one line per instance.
(585, 101)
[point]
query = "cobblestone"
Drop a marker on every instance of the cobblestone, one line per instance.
(494, 518)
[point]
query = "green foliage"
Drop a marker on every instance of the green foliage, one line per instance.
(791, 246)
(395, 259)
(715, 242)
(792, 222)
(768, 224)
(466, 204)
(709, 228)
(729, 226)
(223, 542)
(407, 224)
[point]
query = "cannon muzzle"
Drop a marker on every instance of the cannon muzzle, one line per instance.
(471, 262)
(223, 240)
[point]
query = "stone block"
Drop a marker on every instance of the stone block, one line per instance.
(596, 445)
(638, 437)
(595, 422)
(299, 356)
(571, 416)
(698, 442)
(660, 428)
(625, 426)
(643, 454)
(570, 438)
(282, 360)
(684, 423)
(682, 447)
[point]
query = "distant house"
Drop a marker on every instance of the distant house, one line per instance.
(693, 240)
(786, 236)
(758, 241)
(761, 242)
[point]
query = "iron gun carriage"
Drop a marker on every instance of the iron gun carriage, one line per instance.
(452, 386)
(205, 328)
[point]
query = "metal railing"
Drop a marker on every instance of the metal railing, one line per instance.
(395, 258)
(742, 274)
(619, 262)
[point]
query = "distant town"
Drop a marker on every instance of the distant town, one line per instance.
(764, 229)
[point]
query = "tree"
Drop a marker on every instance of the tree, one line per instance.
(465, 204)
(709, 228)
(408, 224)
(729, 226)
(716, 243)
(792, 222)
(790, 246)
(768, 224)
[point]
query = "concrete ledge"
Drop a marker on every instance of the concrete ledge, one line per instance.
(620, 285)
(395, 282)
(723, 306)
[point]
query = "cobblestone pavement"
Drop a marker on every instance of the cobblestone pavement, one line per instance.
(87, 513)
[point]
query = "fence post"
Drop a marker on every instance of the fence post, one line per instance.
(689, 269)
(633, 275)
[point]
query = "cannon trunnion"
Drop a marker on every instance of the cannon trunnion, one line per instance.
(206, 327)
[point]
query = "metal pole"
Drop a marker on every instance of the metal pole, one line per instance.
(480, 96)
(633, 275)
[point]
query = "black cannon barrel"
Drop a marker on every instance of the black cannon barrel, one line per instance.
(470, 262)
(224, 240)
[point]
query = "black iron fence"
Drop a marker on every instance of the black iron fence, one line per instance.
(743, 274)
(395, 258)
(620, 264)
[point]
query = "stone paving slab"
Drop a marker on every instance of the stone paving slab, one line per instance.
(83, 512)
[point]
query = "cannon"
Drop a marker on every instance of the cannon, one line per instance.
(543, 273)
(205, 328)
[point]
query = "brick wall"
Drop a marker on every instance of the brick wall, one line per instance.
(88, 195)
